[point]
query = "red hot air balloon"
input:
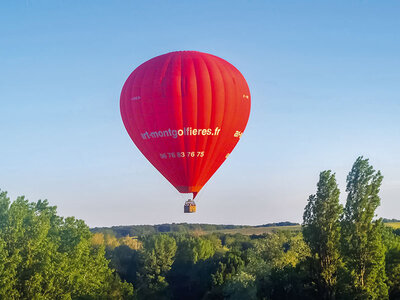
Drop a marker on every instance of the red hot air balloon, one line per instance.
(185, 111)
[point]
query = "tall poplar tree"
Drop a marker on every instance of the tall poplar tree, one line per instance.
(363, 250)
(321, 231)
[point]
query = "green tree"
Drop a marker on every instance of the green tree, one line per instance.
(125, 261)
(277, 263)
(230, 265)
(158, 255)
(392, 262)
(44, 256)
(190, 275)
(321, 231)
(192, 249)
(8, 264)
(282, 249)
(364, 253)
(241, 286)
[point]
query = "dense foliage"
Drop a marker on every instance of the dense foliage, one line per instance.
(340, 253)
(44, 256)
(322, 233)
(364, 252)
(136, 230)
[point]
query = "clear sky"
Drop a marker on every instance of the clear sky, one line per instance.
(324, 78)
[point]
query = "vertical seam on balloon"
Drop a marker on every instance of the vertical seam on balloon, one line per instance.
(210, 165)
(204, 161)
(132, 113)
(140, 109)
(187, 175)
(158, 160)
(196, 166)
(123, 106)
(235, 94)
(193, 182)
(128, 108)
(181, 176)
(164, 164)
(217, 143)
(187, 161)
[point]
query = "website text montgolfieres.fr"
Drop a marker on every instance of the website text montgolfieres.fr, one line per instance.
(174, 133)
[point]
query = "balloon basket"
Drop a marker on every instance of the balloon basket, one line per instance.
(189, 207)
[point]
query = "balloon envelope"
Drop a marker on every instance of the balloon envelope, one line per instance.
(185, 111)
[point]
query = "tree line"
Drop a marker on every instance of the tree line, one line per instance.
(137, 230)
(342, 252)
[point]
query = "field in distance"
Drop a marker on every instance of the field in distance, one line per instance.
(394, 225)
(272, 229)
(257, 230)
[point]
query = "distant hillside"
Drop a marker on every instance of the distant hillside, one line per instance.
(384, 220)
(258, 230)
(136, 230)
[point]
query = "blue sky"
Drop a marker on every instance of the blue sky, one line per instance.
(324, 78)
